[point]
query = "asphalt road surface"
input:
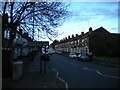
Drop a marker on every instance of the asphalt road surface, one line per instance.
(71, 73)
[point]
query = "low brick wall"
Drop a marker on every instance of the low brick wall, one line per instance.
(106, 59)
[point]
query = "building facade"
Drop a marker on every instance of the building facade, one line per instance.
(92, 41)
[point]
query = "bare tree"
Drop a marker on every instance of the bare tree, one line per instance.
(43, 16)
(55, 42)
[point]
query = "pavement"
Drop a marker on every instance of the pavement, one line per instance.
(32, 77)
(107, 64)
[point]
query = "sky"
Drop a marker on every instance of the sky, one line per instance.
(89, 14)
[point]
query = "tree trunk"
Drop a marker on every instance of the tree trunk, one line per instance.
(13, 28)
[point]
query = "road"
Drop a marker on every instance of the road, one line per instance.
(71, 73)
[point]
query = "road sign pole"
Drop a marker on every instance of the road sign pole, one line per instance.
(40, 60)
(45, 66)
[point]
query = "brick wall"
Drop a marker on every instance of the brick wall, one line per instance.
(106, 59)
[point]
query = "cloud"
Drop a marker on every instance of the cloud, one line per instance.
(70, 26)
(94, 11)
(114, 29)
(83, 17)
(93, 0)
(105, 12)
(92, 19)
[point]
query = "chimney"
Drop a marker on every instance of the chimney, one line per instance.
(76, 35)
(69, 37)
(90, 29)
(82, 33)
(72, 36)
(65, 38)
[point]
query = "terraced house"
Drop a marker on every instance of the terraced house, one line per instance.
(99, 41)
(18, 49)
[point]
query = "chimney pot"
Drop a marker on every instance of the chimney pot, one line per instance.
(76, 35)
(69, 37)
(72, 36)
(82, 33)
(90, 29)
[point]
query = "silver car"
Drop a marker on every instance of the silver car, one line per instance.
(72, 55)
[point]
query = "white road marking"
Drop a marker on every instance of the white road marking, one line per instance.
(60, 78)
(101, 73)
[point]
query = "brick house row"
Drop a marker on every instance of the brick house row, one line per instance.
(20, 43)
(20, 47)
(92, 41)
(17, 46)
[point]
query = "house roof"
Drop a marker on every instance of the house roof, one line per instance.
(101, 29)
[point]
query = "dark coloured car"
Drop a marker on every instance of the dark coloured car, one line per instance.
(91, 54)
(83, 57)
(45, 56)
(59, 52)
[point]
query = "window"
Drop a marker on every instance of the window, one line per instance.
(17, 36)
(78, 41)
(71, 42)
(7, 34)
(75, 43)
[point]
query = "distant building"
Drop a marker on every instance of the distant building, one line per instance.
(99, 41)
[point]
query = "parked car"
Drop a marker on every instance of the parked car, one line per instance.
(45, 56)
(51, 51)
(91, 54)
(59, 52)
(72, 55)
(83, 57)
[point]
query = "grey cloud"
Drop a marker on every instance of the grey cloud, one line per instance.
(96, 11)
(85, 14)
(105, 12)
(114, 28)
(80, 15)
